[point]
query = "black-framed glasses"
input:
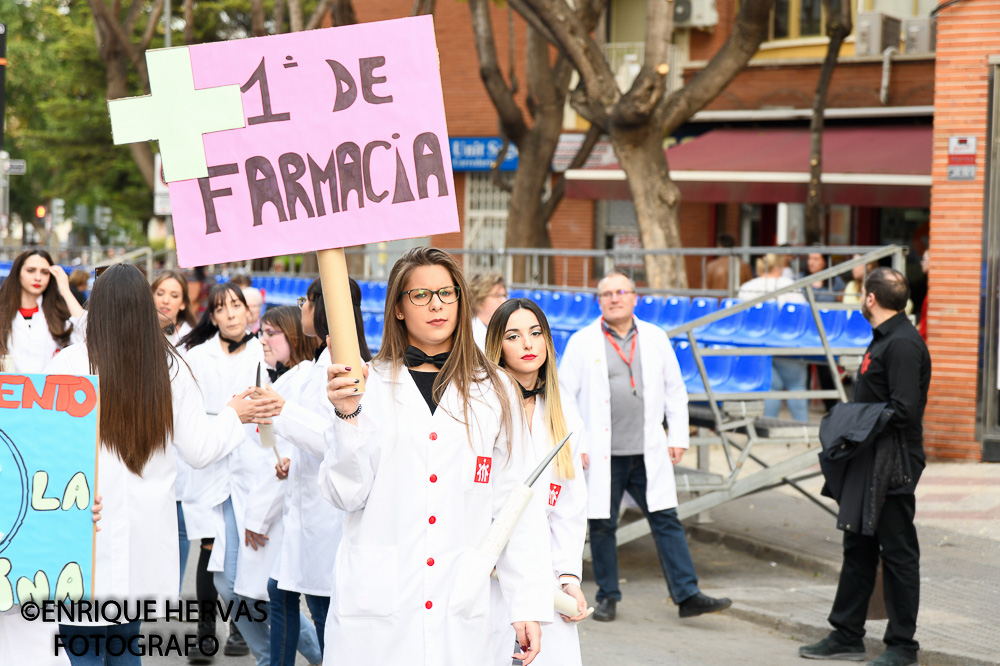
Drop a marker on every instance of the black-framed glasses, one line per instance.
(421, 297)
(301, 300)
(621, 293)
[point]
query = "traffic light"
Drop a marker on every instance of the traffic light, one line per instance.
(58, 211)
(40, 212)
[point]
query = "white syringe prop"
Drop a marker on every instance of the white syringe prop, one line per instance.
(503, 525)
(267, 438)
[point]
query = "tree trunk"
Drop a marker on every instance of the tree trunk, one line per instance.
(656, 199)
(188, 22)
(295, 19)
(839, 29)
(257, 18)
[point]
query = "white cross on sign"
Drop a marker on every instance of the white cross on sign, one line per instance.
(176, 114)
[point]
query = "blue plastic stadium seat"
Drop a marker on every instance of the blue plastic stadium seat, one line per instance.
(750, 373)
(723, 330)
(758, 322)
(834, 323)
(378, 296)
(578, 310)
(373, 331)
(791, 325)
(674, 312)
(702, 306)
(648, 308)
(718, 368)
(559, 340)
(543, 299)
(857, 332)
(559, 304)
(685, 358)
(519, 293)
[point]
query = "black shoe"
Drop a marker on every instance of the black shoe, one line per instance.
(235, 645)
(833, 648)
(211, 645)
(605, 610)
(893, 658)
(700, 604)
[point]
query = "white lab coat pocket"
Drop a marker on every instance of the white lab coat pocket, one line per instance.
(367, 581)
(470, 596)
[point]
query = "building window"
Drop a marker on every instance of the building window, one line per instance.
(797, 19)
(486, 207)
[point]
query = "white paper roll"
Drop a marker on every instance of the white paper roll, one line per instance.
(503, 525)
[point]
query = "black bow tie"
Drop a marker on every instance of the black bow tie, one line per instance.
(233, 345)
(279, 370)
(415, 357)
(526, 393)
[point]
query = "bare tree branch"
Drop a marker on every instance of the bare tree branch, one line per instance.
(279, 17)
(512, 122)
(103, 13)
(559, 188)
(295, 19)
(154, 20)
(343, 13)
(422, 7)
(322, 7)
(189, 22)
(749, 30)
(134, 10)
(648, 88)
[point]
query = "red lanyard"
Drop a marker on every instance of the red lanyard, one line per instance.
(621, 355)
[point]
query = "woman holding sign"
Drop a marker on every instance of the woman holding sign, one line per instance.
(148, 397)
(422, 464)
(519, 339)
(38, 313)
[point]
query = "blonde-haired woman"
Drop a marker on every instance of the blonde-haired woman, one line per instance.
(519, 339)
(422, 464)
(486, 292)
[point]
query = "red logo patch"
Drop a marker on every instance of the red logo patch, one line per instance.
(483, 465)
(865, 363)
(554, 491)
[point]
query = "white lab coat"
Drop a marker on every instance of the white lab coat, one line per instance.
(136, 549)
(583, 376)
(31, 345)
(183, 469)
(410, 585)
(565, 504)
(313, 526)
(220, 377)
(479, 333)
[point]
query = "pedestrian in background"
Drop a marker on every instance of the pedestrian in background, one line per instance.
(896, 370)
(486, 292)
(624, 377)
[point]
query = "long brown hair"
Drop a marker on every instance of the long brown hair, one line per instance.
(186, 313)
(466, 364)
(137, 416)
(548, 379)
(53, 306)
(288, 320)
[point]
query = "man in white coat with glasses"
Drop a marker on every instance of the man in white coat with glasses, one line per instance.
(624, 376)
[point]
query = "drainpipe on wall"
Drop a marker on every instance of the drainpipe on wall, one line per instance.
(883, 93)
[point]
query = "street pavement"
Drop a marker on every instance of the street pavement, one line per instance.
(777, 555)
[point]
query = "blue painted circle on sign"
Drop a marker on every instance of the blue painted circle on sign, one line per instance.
(13, 490)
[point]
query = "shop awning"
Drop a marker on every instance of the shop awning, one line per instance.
(862, 166)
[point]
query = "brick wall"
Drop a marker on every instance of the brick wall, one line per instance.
(967, 33)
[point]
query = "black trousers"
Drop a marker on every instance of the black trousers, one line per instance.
(895, 540)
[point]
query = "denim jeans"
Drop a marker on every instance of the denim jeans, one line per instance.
(629, 473)
(114, 637)
(256, 634)
(788, 375)
(185, 545)
(287, 620)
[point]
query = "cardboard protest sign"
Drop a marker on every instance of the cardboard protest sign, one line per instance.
(345, 143)
(48, 467)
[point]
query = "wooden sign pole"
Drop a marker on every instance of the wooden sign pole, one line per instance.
(340, 312)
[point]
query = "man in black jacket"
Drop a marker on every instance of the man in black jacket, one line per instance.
(896, 370)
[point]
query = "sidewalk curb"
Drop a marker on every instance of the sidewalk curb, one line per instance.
(763, 551)
(801, 630)
(789, 625)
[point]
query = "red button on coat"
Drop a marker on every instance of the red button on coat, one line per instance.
(428, 605)
(430, 561)
(434, 478)
(434, 436)
(432, 520)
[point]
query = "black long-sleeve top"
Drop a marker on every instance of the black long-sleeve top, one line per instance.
(896, 369)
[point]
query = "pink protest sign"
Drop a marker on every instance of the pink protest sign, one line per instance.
(345, 143)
